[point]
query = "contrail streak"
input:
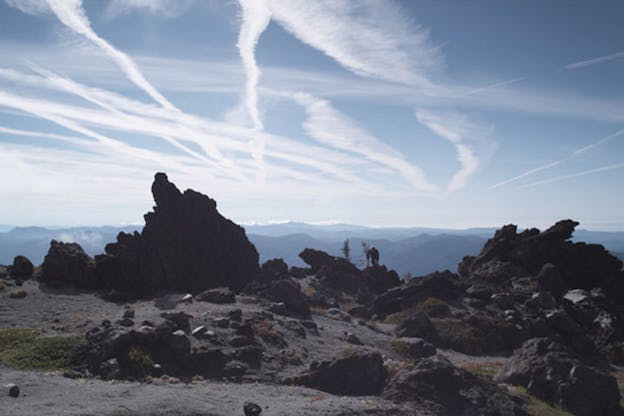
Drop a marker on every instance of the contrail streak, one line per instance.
(574, 155)
(72, 15)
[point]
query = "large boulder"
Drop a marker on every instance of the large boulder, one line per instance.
(68, 263)
(22, 268)
(379, 279)
(437, 384)
(418, 325)
(440, 285)
(355, 374)
(186, 245)
(288, 292)
(317, 259)
(556, 374)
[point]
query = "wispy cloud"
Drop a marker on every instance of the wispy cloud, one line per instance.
(327, 125)
(459, 130)
(370, 38)
(255, 19)
(573, 175)
(575, 154)
(595, 61)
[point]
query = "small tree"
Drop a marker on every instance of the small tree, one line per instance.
(346, 250)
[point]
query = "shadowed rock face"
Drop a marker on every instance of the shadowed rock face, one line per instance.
(185, 245)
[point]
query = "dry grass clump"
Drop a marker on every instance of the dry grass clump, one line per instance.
(269, 335)
(433, 307)
(247, 299)
(18, 294)
(459, 335)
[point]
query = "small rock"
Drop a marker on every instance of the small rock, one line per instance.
(129, 313)
(127, 322)
(240, 341)
(418, 325)
(252, 409)
(352, 339)
(576, 296)
(278, 308)
(199, 332)
(245, 329)
(542, 300)
(235, 315)
(561, 321)
(234, 369)
(110, 369)
(338, 314)
(188, 298)
(14, 390)
(221, 322)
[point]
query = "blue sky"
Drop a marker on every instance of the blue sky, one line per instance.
(382, 113)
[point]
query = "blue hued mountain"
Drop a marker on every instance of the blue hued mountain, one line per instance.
(414, 251)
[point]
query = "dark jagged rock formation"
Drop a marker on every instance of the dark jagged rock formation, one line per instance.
(357, 374)
(68, 263)
(22, 268)
(436, 384)
(510, 254)
(185, 245)
(554, 373)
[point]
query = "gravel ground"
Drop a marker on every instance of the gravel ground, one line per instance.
(53, 394)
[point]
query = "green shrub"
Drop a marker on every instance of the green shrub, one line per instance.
(27, 349)
(534, 406)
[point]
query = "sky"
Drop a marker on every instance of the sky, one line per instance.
(430, 113)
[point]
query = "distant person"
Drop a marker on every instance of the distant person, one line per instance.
(372, 255)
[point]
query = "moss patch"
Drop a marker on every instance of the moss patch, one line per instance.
(486, 369)
(536, 407)
(26, 349)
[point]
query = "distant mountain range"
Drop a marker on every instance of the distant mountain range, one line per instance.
(414, 251)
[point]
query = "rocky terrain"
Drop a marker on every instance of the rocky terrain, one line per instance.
(182, 319)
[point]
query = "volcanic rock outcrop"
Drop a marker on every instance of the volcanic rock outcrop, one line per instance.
(186, 245)
(447, 390)
(68, 263)
(556, 374)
